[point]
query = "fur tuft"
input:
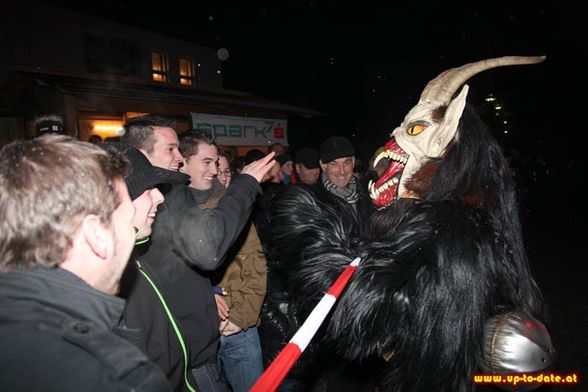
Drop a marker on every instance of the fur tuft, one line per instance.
(313, 236)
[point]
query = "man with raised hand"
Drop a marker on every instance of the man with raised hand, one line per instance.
(188, 242)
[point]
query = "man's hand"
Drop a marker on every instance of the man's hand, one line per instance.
(227, 328)
(222, 307)
(258, 169)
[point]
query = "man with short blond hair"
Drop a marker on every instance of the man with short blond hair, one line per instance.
(66, 233)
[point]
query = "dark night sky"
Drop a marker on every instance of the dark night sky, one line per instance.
(365, 67)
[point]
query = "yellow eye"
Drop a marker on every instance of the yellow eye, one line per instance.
(415, 129)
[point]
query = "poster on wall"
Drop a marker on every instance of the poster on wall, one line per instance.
(242, 131)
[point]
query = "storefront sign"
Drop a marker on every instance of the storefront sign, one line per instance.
(242, 131)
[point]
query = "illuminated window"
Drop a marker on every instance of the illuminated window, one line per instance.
(159, 66)
(104, 126)
(186, 71)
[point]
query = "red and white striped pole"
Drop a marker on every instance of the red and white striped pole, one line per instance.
(273, 376)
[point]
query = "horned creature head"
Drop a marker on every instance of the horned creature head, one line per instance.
(428, 130)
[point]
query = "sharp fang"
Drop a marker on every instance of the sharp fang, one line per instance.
(380, 156)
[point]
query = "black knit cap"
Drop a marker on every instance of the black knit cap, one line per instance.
(142, 175)
(283, 158)
(308, 157)
(253, 155)
(335, 147)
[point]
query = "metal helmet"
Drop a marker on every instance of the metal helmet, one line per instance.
(516, 343)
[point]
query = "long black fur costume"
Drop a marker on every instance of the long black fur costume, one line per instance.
(432, 271)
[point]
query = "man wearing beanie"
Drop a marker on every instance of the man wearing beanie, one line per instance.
(142, 180)
(307, 165)
(337, 160)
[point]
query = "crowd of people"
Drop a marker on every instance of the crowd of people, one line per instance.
(143, 263)
(158, 262)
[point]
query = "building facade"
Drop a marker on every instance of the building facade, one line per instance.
(97, 73)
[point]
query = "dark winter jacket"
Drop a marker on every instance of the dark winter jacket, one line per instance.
(186, 242)
(58, 334)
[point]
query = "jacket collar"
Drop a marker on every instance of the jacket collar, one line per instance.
(62, 291)
(201, 196)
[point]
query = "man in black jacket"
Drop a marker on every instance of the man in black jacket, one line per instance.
(337, 160)
(186, 243)
(66, 233)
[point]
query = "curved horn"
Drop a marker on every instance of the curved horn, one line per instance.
(442, 88)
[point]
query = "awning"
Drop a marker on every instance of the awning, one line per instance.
(120, 94)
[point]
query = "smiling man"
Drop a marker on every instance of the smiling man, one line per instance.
(187, 241)
(201, 160)
(143, 180)
(155, 137)
(337, 159)
(66, 233)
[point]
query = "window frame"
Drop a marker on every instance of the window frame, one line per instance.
(190, 77)
(163, 71)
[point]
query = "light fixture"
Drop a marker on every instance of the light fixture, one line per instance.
(107, 128)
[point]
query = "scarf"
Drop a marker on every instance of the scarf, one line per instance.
(349, 193)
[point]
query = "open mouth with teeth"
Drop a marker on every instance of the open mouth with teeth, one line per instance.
(389, 163)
